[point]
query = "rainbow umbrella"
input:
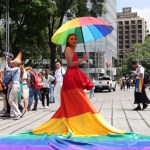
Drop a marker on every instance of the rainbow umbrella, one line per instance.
(86, 28)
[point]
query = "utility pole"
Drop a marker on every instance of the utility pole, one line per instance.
(7, 25)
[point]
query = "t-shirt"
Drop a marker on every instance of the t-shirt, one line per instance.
(59, 74)
(140, 70)
(46, 82)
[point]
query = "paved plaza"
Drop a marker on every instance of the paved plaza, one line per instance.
(116, 107)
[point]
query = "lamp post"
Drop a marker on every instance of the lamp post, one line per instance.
(7, 25)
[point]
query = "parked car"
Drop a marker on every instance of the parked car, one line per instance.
(105, 83)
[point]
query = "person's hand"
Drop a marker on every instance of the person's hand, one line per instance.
(134, 72)
(85, 57)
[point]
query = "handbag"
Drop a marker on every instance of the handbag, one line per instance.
(8, 77)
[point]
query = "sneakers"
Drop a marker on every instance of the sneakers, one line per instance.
(46, 107)
(6, 115)
(34, 109)
(3, 111)
(23, 112)
(137, 108)
(16, 117)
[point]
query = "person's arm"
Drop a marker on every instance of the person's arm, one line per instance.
(11, 69)
(140, 74)
(51, 78)
(69, 57)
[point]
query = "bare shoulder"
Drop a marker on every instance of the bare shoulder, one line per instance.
(68, 50)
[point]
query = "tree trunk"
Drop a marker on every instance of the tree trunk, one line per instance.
(1, 45)
(53, 55)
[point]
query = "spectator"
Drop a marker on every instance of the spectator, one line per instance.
(59, 74)
(92, 90)
(5, 91)
(52, 83)
(46, 85)
(33, 92)
(14, 88)
(128, 84)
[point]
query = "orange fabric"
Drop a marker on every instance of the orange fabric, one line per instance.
(74, 102)
(19, 56)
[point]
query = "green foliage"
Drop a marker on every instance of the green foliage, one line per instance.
(33, 23)
(141, 53)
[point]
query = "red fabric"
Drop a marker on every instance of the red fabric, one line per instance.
(74, 100)
(75, 78)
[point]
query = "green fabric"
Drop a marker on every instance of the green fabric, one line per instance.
(20, 92)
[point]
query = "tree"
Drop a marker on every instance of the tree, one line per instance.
(141, 52)
(33, 23)
(70, 9)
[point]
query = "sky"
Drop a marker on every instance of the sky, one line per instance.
(140, 6)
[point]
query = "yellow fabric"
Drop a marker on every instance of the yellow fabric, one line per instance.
(87, 124)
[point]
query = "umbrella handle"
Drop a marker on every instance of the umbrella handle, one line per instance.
(85, 51)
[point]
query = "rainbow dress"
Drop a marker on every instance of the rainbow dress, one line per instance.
(76, 125)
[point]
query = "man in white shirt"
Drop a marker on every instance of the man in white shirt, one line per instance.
(140, 94)
(59, 75)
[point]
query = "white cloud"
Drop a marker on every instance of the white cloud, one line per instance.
(144, 13)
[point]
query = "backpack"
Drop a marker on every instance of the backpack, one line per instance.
(35, 80)
(146, 78)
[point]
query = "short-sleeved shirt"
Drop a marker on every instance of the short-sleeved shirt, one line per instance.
(59, 74)
(140, 70)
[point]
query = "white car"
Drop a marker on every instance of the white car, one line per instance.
(105, 83)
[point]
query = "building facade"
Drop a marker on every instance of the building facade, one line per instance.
(103, 52)
(131, 29)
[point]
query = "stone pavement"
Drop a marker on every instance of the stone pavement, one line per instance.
(116, 108)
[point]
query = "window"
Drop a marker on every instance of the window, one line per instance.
(127, 27)
(126, 37)
(121, 32)
(139, 31)
(127, 41)
(139, 41)
(132, 21)
(120, 42)
(133, 32)
(121, 47)
(121, 37)
(140, 26)
(127, 46)
(139, 21)
(133, 27)
(140, 36)
(120, 27)
(105, 78)
(133, 36)
(120, 23)
(133, 41)
(126, 22)
(126, 32)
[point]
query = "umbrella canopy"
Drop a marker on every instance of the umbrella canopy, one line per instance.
(86, 28)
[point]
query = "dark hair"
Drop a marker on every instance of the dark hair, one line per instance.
(67, 44)
(57, 62)
(46, 73)
(134, 62)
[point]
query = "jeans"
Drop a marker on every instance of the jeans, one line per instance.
(45, 92)
(52, 100)
(92, 92)
(33, 92)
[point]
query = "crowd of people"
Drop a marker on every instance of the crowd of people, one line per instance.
(21, 86)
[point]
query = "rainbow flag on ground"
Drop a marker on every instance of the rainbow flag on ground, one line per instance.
(75, 126)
